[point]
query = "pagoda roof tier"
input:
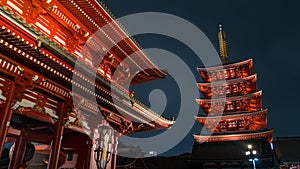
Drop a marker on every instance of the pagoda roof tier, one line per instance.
(253, 135)
(243, 103)
(237, 86)
(228, 71)
(235, 122)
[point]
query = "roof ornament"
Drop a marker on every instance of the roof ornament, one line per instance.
(223, 45)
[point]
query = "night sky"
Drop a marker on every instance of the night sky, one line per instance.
(267, 31)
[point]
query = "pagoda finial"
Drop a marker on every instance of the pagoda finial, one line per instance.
(223, 45)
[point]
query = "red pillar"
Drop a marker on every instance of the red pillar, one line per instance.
(88, 154)
(92, 162)
(114, 155)
(18, 152)
(56, 142)
(5, 115)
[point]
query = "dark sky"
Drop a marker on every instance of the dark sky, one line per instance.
(267, 31)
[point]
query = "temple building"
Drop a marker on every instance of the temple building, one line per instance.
(236, 134)
(287, 152)
(62, 100)
(235, 121)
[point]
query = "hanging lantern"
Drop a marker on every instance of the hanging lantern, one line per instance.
(104, 147)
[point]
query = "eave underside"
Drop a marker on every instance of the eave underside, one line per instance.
(216, 137)
(29, 56)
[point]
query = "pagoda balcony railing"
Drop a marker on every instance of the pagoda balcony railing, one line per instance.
(231, 71)
(235, 122)
(244, 103)
(238, 86)
(250, 135)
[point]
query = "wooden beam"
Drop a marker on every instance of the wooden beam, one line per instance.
(13, 131)
(37, 126)
(57, 138)
(34, 136)
(5, 115)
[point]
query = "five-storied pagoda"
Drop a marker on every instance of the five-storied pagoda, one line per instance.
(53, 115)
(235, 119)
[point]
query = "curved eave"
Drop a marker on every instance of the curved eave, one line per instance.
(132, 43)
(228, 99)
(227, 66)
(96, 16)
(227, 82)
(235, 137)
(146, 76)
(231, 116)
(151, 115)
(164, 123)
(147, 120)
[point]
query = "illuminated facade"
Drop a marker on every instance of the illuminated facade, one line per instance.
(41, 42)
(234, 114)
(232, 102)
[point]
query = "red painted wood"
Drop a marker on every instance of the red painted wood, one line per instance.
(5, 117)
(88, 154)
(56, 143)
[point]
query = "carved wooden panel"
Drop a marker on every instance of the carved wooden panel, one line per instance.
(38, 106)
(54, 21)
(235, 137)
(244, 103)
(231, 71)
(5, 90)
(237, 122)
(238, 86)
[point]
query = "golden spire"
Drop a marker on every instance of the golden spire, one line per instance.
(223, 46)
